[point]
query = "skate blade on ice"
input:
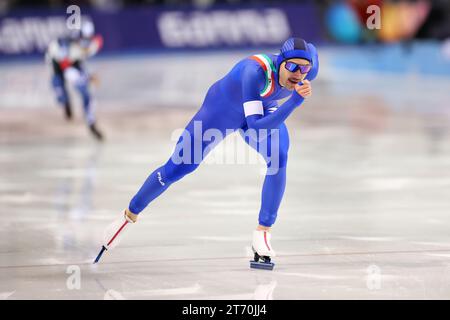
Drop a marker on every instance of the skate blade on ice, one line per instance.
(100, 254)
(261, 265)
(112, 236)
(261, 262)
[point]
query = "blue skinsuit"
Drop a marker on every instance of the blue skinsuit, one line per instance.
(222, 109)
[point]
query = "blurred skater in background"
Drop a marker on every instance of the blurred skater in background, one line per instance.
(66, 57)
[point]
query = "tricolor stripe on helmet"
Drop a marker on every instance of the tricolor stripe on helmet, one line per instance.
(269, 70)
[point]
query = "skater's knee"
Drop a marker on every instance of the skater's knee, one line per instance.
(85, 94)
(278, 159)
(277, 166)
(282, 158)
(60, 91)
(61, 97)
(279, 151)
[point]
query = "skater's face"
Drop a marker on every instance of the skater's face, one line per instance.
(289, 79)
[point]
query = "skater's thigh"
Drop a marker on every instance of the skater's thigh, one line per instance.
(276, 144)
(207, 128)
(57, 81)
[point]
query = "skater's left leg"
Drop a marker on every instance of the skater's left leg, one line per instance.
(81, 80)
(88, 108)
(274, 150)
(212, 123)
(189, 152)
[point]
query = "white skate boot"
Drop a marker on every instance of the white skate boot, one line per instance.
(114, 232)
(263, 250)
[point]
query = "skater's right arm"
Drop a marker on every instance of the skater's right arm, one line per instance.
(95, 44)
(253, 106)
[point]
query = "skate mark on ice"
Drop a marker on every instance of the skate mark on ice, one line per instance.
(6, 295)
(444, 251)
(374, 239)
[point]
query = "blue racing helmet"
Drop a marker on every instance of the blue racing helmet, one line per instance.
(294, 48)
(85, 31)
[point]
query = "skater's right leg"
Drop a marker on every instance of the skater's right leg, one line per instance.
(158, 182)
(62, 95)
(189, 152)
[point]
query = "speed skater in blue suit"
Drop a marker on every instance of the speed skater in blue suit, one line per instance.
(244, 100)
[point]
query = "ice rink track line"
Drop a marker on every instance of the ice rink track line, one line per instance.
(228, 258)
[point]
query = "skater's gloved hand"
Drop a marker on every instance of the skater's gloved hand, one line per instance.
(304, 88)
(94, 80)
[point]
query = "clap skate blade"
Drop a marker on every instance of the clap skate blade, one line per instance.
(261, 262)
(100, 254)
